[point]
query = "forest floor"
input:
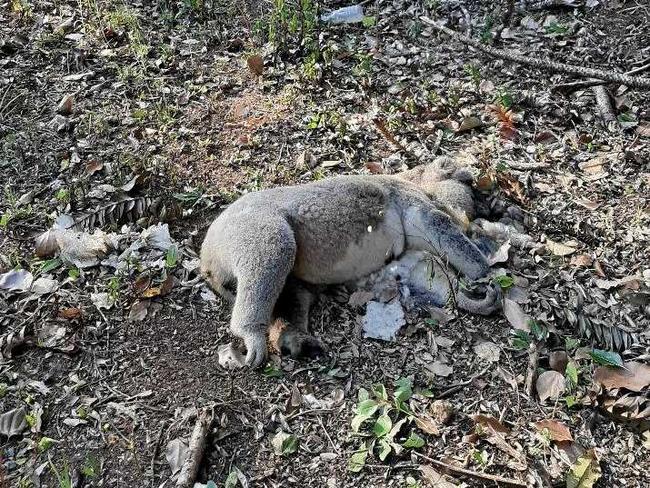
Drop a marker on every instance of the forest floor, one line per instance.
(126, 114)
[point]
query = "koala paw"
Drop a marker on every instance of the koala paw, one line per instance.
(299, 344)
(255, 350)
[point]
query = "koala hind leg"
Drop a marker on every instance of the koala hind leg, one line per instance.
(261, 272)
(289, 333)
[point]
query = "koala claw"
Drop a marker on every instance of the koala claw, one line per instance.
(255, 351)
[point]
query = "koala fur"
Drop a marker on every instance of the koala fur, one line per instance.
(269, 243)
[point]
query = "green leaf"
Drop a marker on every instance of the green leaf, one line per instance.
(570, 400)
(380, 391)
(404, 389)
(284, 443)
(571, 373)
(366, 407)
(504, 281)
(384, 449)
(481, 457)
(357, 461)
(382, 425)
(521, 340)
(50, 265)
(45, 443)
(539, 331)
(369, 21)
(272, 372)
(73, 273)
(231, 481)
(363, 394)
(584, 473)
(172, 256)
(397, 426)
(431, 322)
(570, 343)
(414, 441)
(606, 358)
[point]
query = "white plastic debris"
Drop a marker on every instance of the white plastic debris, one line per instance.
(157, 236)
(345, 15)
(383, 320)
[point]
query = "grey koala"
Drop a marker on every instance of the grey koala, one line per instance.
(269, 247)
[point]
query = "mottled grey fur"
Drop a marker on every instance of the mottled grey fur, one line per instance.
(331, 231)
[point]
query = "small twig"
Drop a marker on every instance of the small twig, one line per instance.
(604, 104)
(155, 453)
(381, 128)
(533, 361)
(196, 448)
(545, 64)
(460, 471)
(542, 4)
(459, 386)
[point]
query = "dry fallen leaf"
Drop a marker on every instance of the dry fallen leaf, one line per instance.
(65, 105)
(581, 260)
(434, 478)
(558, 361)
(633, 376)
(550, 384)
(559, 249)
(515, 315)
(557, 430)
(489, 422)
(70, 313)
(374, 168)
(469, 123)
(255, 64)
(488, 350)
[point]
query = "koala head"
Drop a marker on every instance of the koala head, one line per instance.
(428, 176)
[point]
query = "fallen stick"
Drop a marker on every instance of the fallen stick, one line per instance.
(533, 361)
(196, 448)
(577, 85)
(604, 104)
(545, 64)
(460, 471)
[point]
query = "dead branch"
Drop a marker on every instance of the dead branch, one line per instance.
(533, 361)
(542, 4)
(196, 448)
(604, 104)
(383, 130)
(544, 64)
(578, 85)
(459, 471)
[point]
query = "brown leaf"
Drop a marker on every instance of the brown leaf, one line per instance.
(469, 123)
(434, 478)
(557, 430)
(544, 137)
(629, 282)
(70, 313)
(558, 361)
(490, 423)
(93, 165)
(588, 204)
(427, 425)
(141, 283)
(550, 384)
(633, 376)
(65, 105)
(581, 260)
(255, 64)
(599, 269)
(374, 168)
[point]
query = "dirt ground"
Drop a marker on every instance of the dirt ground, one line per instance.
(178, 108)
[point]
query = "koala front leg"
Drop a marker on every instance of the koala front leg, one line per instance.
(261, 270)
(428, 228)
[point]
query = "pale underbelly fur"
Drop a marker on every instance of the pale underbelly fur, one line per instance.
(362, 256)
